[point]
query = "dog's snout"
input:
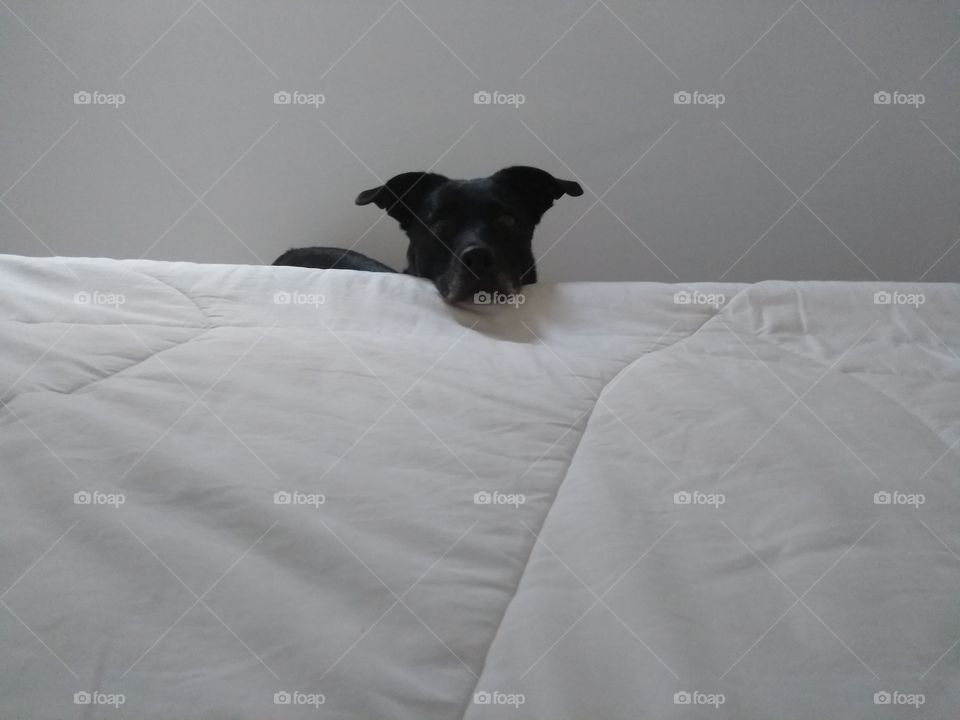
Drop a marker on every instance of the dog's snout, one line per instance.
(478, 259)
(477, 267)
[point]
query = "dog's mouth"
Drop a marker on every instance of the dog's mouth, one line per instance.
(462, 287)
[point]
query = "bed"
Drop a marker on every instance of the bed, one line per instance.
(250, 492)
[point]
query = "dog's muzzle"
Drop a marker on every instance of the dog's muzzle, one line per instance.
(477, 268)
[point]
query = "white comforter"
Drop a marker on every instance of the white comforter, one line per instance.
(250, 492)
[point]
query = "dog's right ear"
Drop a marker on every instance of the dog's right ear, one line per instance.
(536, 188)
(403, 195)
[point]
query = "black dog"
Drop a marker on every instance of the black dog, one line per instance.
(467, 236)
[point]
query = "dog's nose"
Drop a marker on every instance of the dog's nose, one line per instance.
(478, 259)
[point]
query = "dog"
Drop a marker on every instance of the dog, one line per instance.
(466, 236)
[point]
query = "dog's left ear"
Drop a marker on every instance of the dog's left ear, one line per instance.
(536, 188)
(402, 196)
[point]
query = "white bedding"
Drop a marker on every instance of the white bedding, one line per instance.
(782, 590)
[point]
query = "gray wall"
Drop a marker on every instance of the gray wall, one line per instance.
(799, 174)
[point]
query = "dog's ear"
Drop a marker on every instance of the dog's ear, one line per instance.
(403, 195)
(536, 188)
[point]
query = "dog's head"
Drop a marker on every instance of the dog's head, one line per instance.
(469, 236)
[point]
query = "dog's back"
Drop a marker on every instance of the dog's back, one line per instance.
(331, 258)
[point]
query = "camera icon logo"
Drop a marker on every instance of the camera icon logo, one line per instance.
(482, 97)
(82, 498)
(482, 498)
(282, 298)
(682, 98)
(882, 98)
(882, 498)
(481, 698)
(81, 298)
(882, 298)
(682, 297)
(681, 698)
(82, 698)
(482, 298)
(282, 98)
(282, 698)
(282, 498)
(682, 498)
(882, 698)
(82, 98)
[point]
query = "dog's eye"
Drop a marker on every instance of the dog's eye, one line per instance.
(440, 227)
(507, 220)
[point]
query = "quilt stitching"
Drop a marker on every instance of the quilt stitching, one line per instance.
(176, 289)
(725, 311)
(86, 385)
(206, 329)
(856, 376)
(546, 516)
(912, 413)
(137, 363)
(822, 363)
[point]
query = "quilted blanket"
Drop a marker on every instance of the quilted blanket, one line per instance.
(251, 492)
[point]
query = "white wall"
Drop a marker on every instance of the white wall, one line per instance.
(399, 79)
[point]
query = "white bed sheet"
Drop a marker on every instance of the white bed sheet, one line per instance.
(785, 588)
